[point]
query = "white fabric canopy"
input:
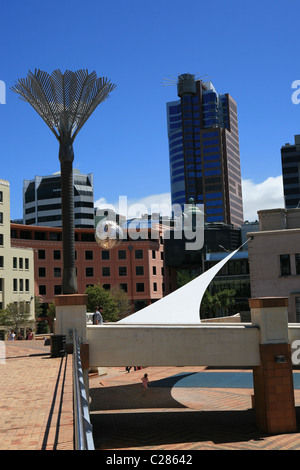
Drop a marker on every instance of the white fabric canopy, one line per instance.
(181, 306)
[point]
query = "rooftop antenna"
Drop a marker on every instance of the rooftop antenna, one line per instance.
(171, 80)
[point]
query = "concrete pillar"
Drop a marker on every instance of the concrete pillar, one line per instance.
(274, 400)
(71, 313)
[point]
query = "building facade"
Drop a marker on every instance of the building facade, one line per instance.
(42, 201)
(204, 150)
(136, 266)
(16, 264)
(290, 160)
(274, 258)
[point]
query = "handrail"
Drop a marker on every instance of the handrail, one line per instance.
(83, 435)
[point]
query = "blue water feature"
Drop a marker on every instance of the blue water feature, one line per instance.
(228, 379)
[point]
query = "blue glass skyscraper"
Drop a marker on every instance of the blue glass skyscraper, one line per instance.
(204, 150)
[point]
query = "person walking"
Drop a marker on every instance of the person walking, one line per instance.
(145, 382)
(29, 334)
(97, 317)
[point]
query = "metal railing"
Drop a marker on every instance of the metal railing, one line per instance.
(83, 430)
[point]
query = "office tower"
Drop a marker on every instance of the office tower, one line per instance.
(290, 160)
(42, 201)
(204, 150)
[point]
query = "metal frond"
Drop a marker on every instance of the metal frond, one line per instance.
(64, 100)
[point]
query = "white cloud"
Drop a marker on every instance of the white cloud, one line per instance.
(135, 207)
(256, 196)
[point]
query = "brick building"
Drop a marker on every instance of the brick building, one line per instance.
(137, 266)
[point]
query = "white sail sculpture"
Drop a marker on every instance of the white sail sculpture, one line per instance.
(181, 306)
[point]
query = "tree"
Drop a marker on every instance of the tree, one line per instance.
(115, 303)
(16, 316)
(96, 296)
(184, 276)
(38, 308)
(217, 304)
(123, 302)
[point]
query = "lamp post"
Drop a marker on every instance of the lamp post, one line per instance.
(65, 101)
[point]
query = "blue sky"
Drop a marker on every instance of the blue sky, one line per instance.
(249, 49)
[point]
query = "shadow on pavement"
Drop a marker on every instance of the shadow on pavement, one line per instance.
(191, 428)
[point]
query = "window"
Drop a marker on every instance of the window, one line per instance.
(21, 285)
(1, 217)
(154, 270)
(89, 272)
(122, 271)
(1, 261)
(27, 285)
(123, 287)
(139, 254)
(285, 265)
(139, 270)
(89, 254)
(15, 263)
(140, 287)
(297, 262)
(1, 196)
(57, 272)
(105, 254)
(56, 254)
(15, 285)
(1, 239)
(122, 254)
(41, 254)
(42, 272)
(155, 286)
(57, 289)
(42, 290)
(26, 263)
(297, 302)
(106, 286)
(153, 254)
(20, 263)
(105, 271)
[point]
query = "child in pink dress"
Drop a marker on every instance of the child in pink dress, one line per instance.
(145, 381)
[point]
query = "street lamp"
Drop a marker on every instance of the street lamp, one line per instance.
(65, 101)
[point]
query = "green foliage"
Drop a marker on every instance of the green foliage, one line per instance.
(42, 327)
(217, 304)
(15, 316)
(113, 302)
(38, 306)
(184, 276)
(51, 310)
(123, 302)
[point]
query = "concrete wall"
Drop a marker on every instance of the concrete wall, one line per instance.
(165, 345)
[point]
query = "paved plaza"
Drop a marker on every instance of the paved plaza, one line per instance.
(184, 408)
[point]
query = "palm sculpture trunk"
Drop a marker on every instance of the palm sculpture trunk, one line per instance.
(65, 101)
(66, 157)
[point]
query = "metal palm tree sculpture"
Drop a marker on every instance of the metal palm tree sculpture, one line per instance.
(65, 101)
